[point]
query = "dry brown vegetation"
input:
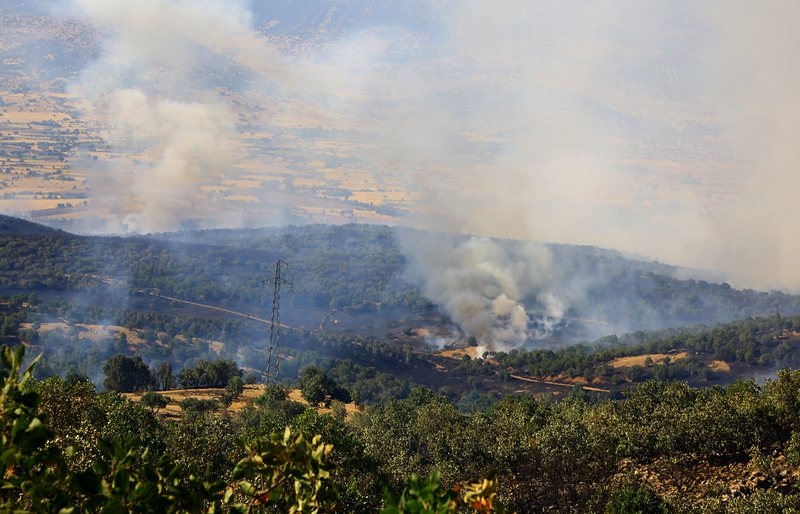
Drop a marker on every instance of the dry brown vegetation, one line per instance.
(90, 332)
(250, 393)
(719, 366)
(639, 360)
(560, 382)
(699, 479)
(459, 353)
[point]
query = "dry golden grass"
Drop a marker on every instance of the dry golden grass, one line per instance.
(719, 366)
(250, 393)
(31, 204)
(459, 353)
(243, 184)
(28, 116)
(78, 214)
(351, 408)
(91, 332)
(639, 360)
(173, 410)
(366, 216)
(214, 189)
(46, 327)
(380, 197)
(242, 198)
(28, 186)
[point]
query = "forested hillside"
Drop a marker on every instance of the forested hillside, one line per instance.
(353, 269)
(353, 310)
(374, 370)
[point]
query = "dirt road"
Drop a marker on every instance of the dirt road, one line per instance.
(560, 384)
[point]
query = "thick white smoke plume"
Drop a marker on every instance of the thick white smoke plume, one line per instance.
(666, 129)
(151, 92)
(191, 141)
(483, 286)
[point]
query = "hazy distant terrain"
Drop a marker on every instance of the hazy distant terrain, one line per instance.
(376, 111)
(56, 155)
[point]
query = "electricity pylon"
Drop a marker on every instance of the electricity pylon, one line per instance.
(274, 354)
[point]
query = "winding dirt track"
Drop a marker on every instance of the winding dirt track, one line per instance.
(585, 388)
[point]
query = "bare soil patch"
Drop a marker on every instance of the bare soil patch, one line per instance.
(639, 360)
(459, 353)
(719, 366)
(90, 332)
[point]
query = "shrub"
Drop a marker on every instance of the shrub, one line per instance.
(193, 407)
(292, 472)
(154, 401)
(422, 496)
(232, 391)
(633, 498)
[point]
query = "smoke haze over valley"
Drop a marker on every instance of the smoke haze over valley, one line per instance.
(664, 129)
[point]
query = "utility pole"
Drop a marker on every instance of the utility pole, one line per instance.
(274, 354)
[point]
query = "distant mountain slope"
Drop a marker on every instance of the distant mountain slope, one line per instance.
(612, 292)
(11, 226)
(360, 271)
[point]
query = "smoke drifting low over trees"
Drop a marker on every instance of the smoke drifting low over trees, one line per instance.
(504, 293)
(546, 122)
(540, 122)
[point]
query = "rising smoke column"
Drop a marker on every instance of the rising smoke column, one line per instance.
(150, 90)
(526, 160)
(191, 141)
(576, 126)
(482, 283)
(668, 129)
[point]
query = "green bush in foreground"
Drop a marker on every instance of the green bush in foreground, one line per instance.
(34, 474)
(279, 473)
(122, 479)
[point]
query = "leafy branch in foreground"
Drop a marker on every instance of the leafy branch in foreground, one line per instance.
(34, 473)
(123, 479)
(287, 471)
(427, 496)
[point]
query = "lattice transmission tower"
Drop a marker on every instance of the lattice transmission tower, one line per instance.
(274, 354)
